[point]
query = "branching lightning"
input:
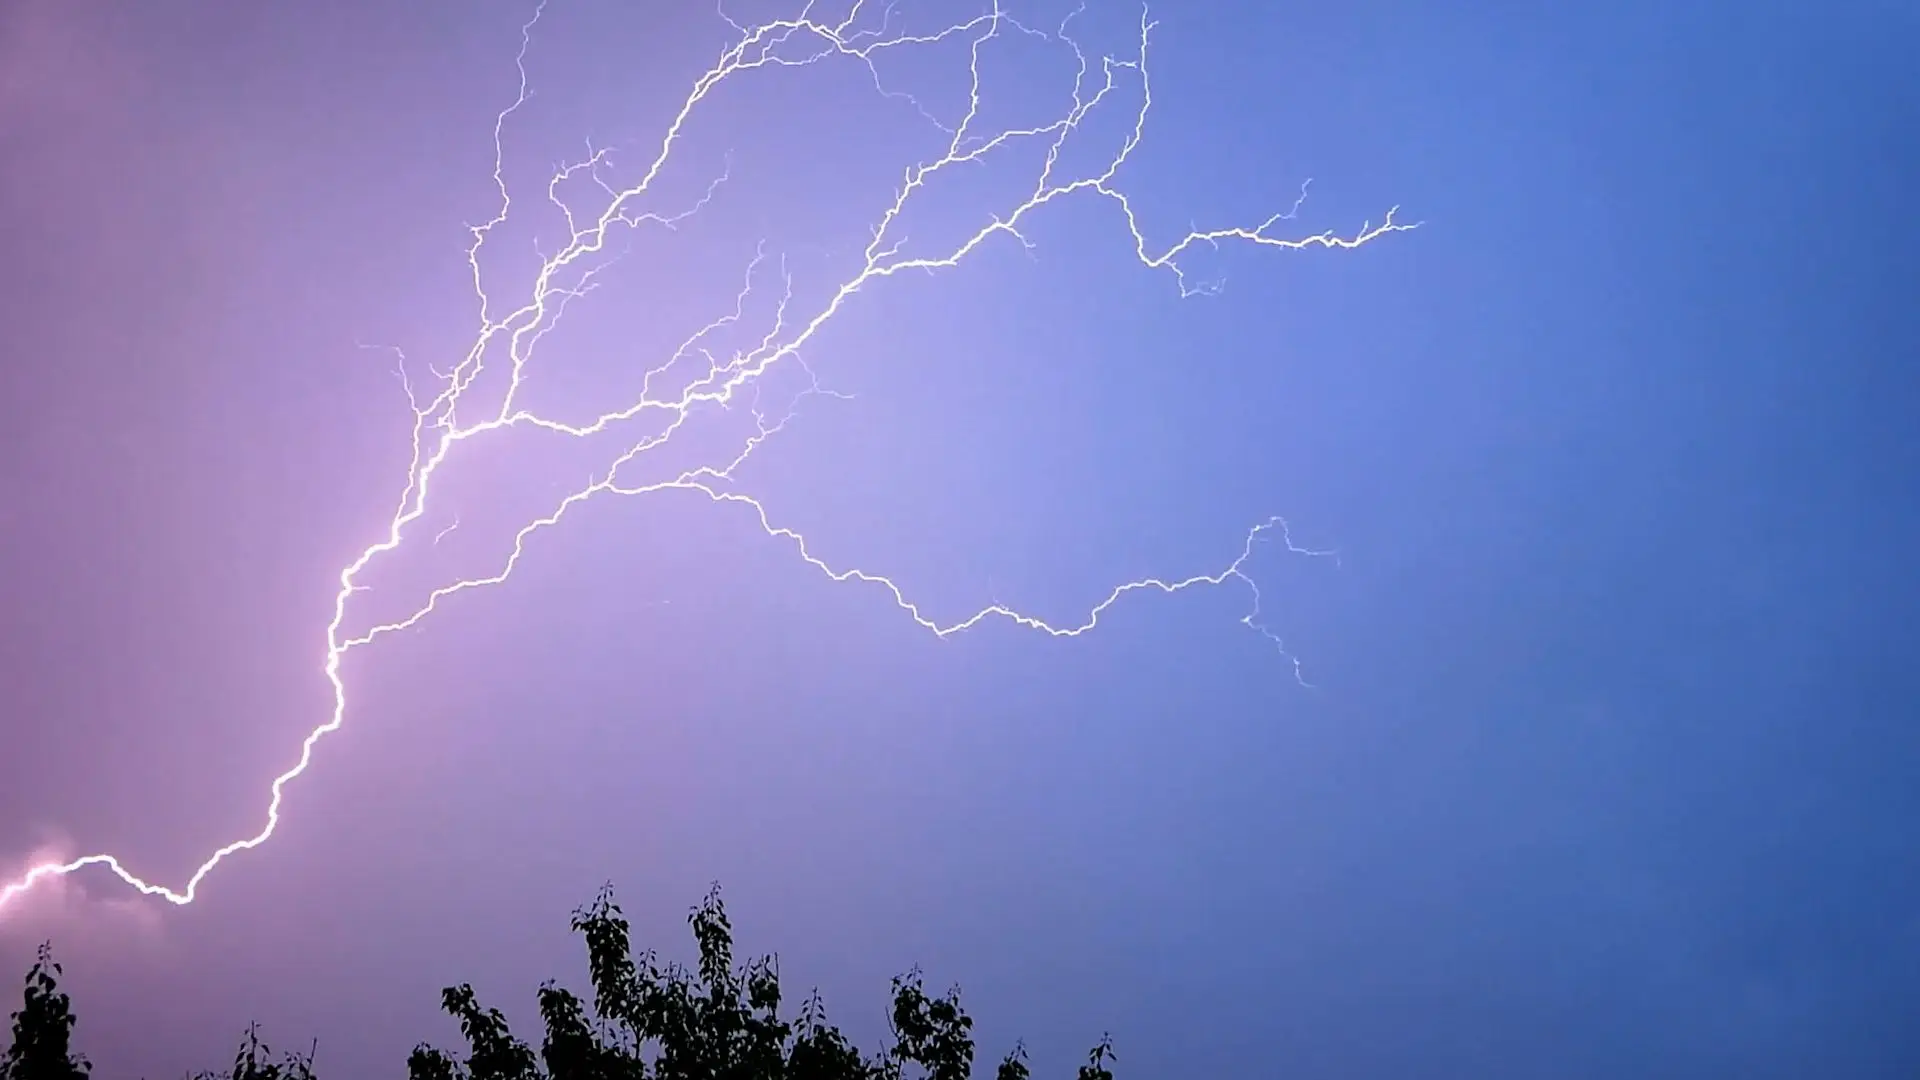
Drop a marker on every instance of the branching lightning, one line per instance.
(448, 420)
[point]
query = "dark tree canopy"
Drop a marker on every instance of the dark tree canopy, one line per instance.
(255, 1061)
(717, 1021)
(42, 1047)
(646, 1021)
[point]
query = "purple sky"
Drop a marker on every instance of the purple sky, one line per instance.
(1603, 767)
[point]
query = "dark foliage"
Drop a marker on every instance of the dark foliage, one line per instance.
(715, 1021)
(255, 1061)
(43, 1034)
(645, 1021)
(43, 1030)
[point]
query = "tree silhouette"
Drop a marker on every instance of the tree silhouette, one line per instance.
(255, 1061)
(715, 1021)
(42, 1047)
(646, 1021)
(43, 1037)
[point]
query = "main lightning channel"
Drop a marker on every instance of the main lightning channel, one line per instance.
(439, 425)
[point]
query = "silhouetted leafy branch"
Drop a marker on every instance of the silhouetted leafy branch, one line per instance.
(43, 1029)
(255, 1061)
(714, 1021)
(646, 1021)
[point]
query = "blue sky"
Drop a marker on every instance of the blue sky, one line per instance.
(1607, 767)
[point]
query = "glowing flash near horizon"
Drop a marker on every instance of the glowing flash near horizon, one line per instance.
(448, 419)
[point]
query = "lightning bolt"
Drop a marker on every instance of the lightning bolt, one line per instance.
(448, 420)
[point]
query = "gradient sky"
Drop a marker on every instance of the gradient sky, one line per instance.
(1610, 765)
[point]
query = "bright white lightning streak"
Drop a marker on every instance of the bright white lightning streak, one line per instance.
(802, 40)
